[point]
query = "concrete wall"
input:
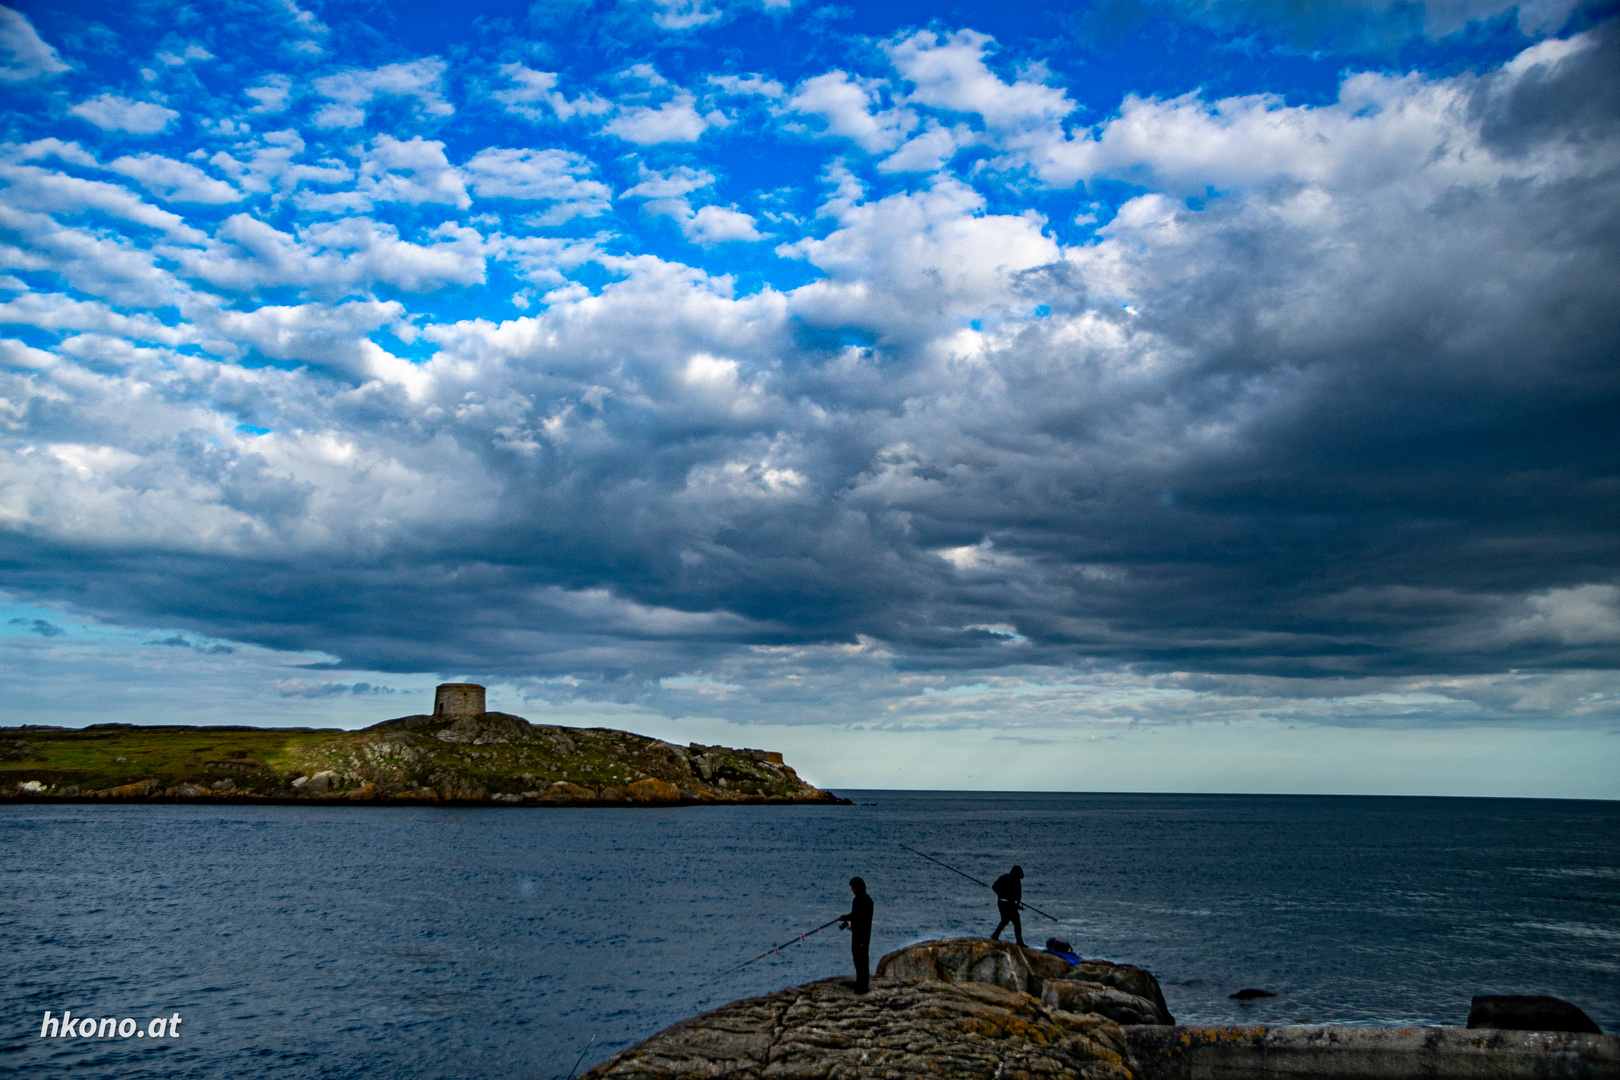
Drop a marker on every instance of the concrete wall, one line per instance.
(453, 699)
(1192, 1052)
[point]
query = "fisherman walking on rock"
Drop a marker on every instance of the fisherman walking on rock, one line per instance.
(1009, 890)
(858, 921)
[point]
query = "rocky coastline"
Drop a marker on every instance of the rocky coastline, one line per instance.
(484, 759)
(976, 1009)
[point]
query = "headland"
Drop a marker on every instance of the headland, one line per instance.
(459, 754)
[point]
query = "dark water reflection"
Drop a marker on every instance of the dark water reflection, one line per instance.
(472, 943)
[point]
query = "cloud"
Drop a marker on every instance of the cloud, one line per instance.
(113, 113)
(269, 165)
(930, 150)
(850, 108)
(555, 176)
(683, 14)
(270, 94)
(23, 56)
(666, 196)
(411, 171)
(174, 181)
(905, 262)
(1584, 615)
(39, 626)
(351, 91)
(674, 121)
(32, 188)
(718, 224)
(1315, 424)
(304, 689)
(533, 89)
(180, 57)
(1350, 25)
(754, 85)
(334, 259)
(950, 73)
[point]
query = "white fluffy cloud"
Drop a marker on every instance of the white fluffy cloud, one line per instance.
(851, 108)
(33, 188)
(533, 89)
(412, 171)
(23, 55)
(270, 94)
(174, 181)
(334, 259)
(910, 261)
(555, 176)
(269, 165)
(666, 194)
(421, 81)
(683, 14)
(950, 73)
(674, 121)
(113, 113)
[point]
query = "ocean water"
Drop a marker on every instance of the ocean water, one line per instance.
(416, 942)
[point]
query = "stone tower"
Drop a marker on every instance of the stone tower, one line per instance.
(456, 699)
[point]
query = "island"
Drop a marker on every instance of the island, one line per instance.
(460, 754)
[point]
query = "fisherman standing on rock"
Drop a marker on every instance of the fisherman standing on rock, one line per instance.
(858, 921)
(1009, 890)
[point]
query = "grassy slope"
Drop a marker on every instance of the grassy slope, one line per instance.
(395, 760)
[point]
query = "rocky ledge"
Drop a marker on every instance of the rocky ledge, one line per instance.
(1120, 992)
(903, 1028)
(962, 1008)
(972, 1009)
(493, 759)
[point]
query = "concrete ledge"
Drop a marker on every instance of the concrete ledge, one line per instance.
(1197, 1052)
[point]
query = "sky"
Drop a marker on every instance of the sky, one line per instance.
(1144, 395)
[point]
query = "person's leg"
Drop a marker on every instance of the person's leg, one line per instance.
(1006, 917)
(863, 965)
(1018, 928)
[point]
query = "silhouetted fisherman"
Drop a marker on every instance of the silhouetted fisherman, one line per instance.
(858, 922)
(1009, 890)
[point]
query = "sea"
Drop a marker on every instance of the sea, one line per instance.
(353, 941)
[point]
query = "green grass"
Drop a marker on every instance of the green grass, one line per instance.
(265, 761)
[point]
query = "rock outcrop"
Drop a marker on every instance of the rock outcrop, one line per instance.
(1120, 992)
(486, 759)
(903, 1028)
(968, 1008)
(1526, 1012)
(1333, 1052)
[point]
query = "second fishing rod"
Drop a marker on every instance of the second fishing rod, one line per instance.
(977, 881)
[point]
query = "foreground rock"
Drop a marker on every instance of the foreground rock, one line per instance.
(488, 759)
(1120, 992)
(971, 1008)
(903, 1028)
(1525, 1012)
(1367, 1053)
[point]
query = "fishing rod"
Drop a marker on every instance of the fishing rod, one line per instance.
(582, 1054)
(779, 948)
(976, 881)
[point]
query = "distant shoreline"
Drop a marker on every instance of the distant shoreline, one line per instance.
(484, 759)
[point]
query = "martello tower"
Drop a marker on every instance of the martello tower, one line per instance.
(456, 699)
